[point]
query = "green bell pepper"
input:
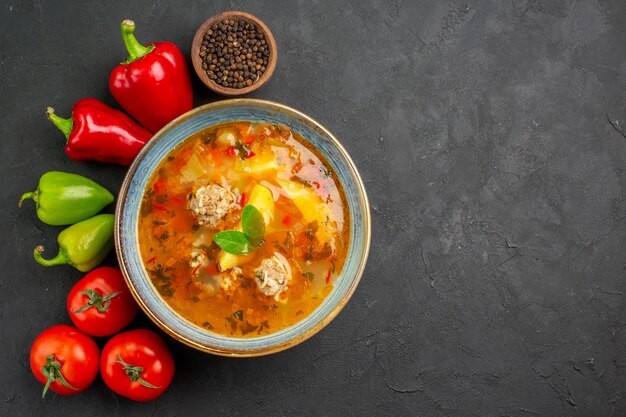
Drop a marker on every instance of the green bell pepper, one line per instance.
(63, 198)
(83, 245)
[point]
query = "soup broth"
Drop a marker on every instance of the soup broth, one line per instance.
(202, 188)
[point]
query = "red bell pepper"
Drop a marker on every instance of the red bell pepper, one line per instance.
(153, 84)
(98, 132)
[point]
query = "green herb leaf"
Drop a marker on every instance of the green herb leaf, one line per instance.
(253, 224)
(242, 243)
(309, 275)
(244, 151)
(238, 314)
(166, 290)
(234, 242)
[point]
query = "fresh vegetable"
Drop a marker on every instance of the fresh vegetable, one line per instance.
(137, 364)
(97, 132)
(63, 198)
(243, 242)
(64, 359)
(100, 304)
(153, 83)
(83, 245)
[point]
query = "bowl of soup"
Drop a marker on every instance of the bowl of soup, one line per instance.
(242, 228)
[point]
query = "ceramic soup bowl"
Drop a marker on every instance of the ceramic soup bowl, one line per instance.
(128, 211)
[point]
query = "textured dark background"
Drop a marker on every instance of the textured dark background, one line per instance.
(482, 129)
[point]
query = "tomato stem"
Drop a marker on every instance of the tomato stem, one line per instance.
(52, 371)
(96, 300)
(134, 373)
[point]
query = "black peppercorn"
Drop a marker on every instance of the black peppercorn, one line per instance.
(234, 53)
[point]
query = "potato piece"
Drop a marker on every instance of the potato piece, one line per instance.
(228, 261)
(258, 164)
(193, 169)
(226, 138)
(308, 201)
(310, 205)
(261, 197)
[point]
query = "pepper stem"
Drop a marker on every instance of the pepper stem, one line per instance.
(64, 125)
(134, 373)
(60, 259)
(134, 48)
(33, 194)
(52, 371)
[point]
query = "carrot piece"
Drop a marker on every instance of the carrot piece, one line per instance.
(159, 186)
(211, 269)
(217, 156)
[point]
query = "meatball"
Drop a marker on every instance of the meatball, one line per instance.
(273, 275)
(228, 281)
(210, 204)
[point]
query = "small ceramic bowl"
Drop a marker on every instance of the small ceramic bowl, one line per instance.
(128, 210)
(197, 60)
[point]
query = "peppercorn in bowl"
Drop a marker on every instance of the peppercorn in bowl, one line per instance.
(242, 228)
(234, 53)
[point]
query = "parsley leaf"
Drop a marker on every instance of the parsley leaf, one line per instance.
(238, 314)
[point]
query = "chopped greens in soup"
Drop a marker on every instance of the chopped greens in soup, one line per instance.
(244, 228)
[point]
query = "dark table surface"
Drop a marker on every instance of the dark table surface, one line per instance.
(488, 137)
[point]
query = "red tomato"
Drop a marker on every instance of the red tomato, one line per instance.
(64, 359)
(100, 304)
(137, 364)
